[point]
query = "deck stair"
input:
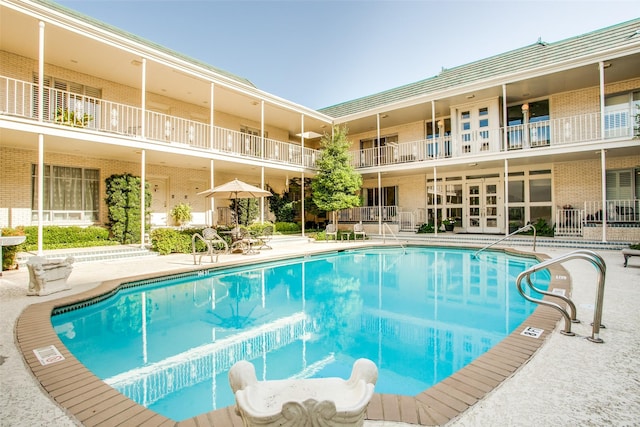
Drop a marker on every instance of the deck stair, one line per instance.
(102, 253)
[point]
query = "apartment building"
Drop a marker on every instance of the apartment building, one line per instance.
(548, 131)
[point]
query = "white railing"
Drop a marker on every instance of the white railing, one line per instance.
(20, 98)
(616, 211)
(407, 221)
(368, 214)
(569, 222)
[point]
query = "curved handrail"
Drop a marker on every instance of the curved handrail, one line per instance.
(384, 236)
(519, 230)
(600, 265)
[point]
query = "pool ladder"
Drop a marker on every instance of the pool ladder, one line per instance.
(519, 230)
(569, 318)
(385, 226)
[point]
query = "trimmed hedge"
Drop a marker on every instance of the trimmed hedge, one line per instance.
(167, 241)
(288, 227)
(58, 237)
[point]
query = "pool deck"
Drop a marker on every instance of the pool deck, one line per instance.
(553, 380)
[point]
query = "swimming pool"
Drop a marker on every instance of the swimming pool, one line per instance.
(420, 315)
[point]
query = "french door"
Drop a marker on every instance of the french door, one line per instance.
(484, 206)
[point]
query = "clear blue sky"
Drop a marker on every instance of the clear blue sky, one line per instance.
(321, 53)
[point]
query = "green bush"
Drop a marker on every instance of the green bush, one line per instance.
(542, 229)
(166, 241)
(426, 228)
(9, 252)
(57, 237)
(288, 227)
(123, 203)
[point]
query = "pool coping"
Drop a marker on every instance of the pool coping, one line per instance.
(90, 401)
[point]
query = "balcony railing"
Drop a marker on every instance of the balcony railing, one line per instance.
(20, 98)
(368, 214)
(555, 132)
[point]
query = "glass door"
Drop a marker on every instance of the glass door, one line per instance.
(484, 206)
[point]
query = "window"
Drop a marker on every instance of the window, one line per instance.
(70, 194)
(64, 96)
(621, 115)
(540, 190)
(389, 196)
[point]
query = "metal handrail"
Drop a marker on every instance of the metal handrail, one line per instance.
(384, 236)
(519, 230)
(600, 265)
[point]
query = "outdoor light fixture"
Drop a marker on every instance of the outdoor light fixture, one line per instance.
(525, 108)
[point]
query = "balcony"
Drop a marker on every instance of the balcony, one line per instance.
(547, 133)
(20, 99)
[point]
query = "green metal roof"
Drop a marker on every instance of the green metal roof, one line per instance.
(527, 58)
(55, 6)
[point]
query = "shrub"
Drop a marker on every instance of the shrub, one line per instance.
(123, 202)
(9, 252)
(425, 228)
(542, 228)
(288, 227)
(166, 241)
(57, 237)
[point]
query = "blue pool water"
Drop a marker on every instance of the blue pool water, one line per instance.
(420, 316)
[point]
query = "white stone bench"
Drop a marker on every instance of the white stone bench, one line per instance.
(628, 253)
(47, 276)
(306, 402)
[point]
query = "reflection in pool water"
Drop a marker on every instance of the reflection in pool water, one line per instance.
(419, 315)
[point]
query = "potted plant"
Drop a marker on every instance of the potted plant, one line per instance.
(71, 118)
(449, 223)
(181, 213)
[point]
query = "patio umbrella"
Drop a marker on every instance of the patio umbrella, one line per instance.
(236, 189)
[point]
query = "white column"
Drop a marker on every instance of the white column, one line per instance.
(143, 210)
(212, 144)
(40, 189)
(212, 130)
(433, 127)
(601, 67)
(603, 167)
(435, 200)
(505, 118)
(262, 198)
(41, 71)
(506, 196)
(302, 211)
(40, 136)
(212, 207)
(143, 100)
(379, 204)
(379, 177)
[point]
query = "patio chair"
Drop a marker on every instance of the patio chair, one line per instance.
(331, 230)
(265, 238)
(214, 243)
(245, 242)
(358, 230)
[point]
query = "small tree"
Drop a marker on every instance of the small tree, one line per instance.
(336, 184)
(123, 203)
(247, 209)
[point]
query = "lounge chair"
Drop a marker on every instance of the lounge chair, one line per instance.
(358, 230)
(331, 230)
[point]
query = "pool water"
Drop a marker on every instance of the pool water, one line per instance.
(420, 315)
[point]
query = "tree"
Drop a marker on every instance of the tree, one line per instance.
(336, 184)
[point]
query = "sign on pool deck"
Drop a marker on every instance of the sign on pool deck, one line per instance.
(48, 355)
(532, 332)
